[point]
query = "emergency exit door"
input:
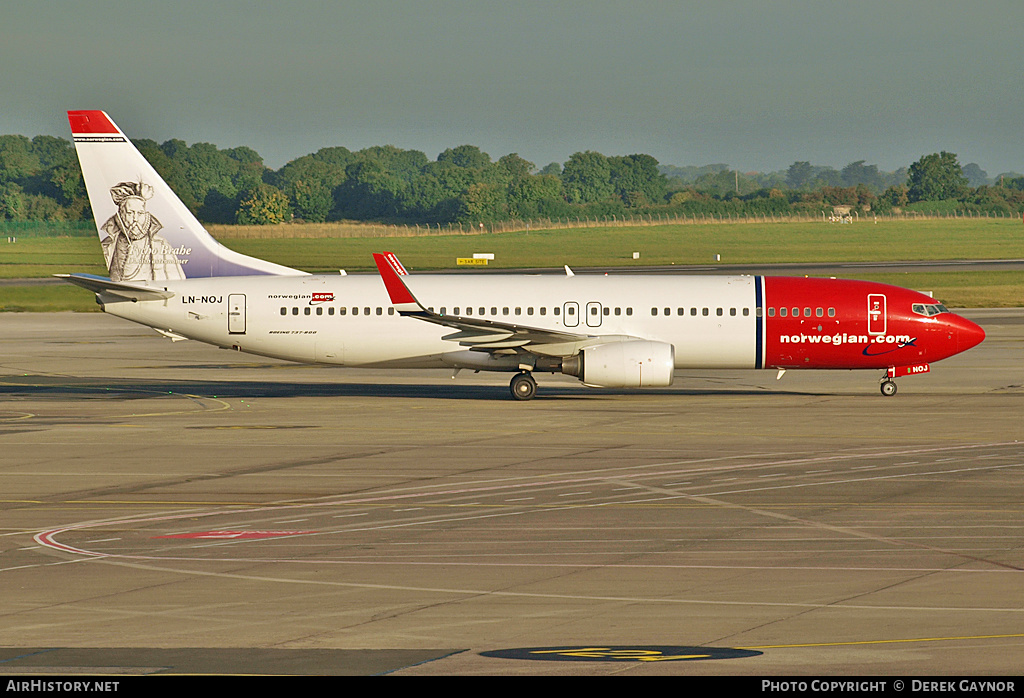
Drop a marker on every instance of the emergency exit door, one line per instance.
(571, 314)
(236, 313)
(876, 313)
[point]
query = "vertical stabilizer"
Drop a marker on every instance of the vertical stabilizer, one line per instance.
(146, 231)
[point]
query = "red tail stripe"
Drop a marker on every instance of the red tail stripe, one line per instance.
(90, 122)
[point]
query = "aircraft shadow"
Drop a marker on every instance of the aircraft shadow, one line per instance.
(64, 388)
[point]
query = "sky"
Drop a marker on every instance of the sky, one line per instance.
(755, 84)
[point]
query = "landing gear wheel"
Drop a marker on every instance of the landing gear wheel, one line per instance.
(523, 386)
(888, 388)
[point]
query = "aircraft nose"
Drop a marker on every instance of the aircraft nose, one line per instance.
(968, 334)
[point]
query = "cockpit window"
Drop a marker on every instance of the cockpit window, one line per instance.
(929, 309)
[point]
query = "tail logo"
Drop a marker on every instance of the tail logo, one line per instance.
(133, 247)
(148, 234)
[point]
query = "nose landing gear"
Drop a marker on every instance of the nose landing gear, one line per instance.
(887, 385)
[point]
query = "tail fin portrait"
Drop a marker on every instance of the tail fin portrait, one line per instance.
(147, 233)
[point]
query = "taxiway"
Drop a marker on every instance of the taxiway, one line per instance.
(174, 508)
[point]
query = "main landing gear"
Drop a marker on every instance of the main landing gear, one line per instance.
(523, 386)
(888, 387)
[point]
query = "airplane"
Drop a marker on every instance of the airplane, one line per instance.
(609, 331)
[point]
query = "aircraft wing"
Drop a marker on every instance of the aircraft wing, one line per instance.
(101, 284)
(474, 332)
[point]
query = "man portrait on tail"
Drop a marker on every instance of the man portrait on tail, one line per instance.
(134, 249)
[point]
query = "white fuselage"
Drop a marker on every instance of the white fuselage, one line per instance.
(349, 320)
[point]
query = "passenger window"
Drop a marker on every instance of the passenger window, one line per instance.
(680, 311)
(284, 311)
(746, 312)
(366, 311)
(704, 312)
(732, 312)
(618, 311)
(629, 311)
(831, 312)
(330, 311)
(543, 310)
(494, 311)
(654, 311)
(556, 310)
(518, 311)
(319, 310)
(481, 312)
(693, 312)
(818, 312)
(306, 311)
(391, 310)
(342, 311)
(295, 311)
(529, 311)
(771, 312)
(807, 312)
(380, 311)
(668, 311)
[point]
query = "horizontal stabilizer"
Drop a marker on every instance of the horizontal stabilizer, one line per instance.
(100, 284)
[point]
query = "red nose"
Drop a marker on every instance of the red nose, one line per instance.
(968, 334)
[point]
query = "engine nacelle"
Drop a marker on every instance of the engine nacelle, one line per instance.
(632, 364)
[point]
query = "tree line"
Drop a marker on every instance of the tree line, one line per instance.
(40, 180)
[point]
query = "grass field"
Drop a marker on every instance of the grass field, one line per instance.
(995, 289)
(47, 299)
(746, 243)
(681, 244)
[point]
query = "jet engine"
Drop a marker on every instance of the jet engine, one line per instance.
(630, 364)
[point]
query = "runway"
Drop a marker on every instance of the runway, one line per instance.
(174, 508)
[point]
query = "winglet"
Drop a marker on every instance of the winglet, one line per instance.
(391, 273)
(392, 259)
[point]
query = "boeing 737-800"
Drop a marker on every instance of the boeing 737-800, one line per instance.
(620, 331)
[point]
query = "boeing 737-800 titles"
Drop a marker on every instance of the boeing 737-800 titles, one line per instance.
(621, 331)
